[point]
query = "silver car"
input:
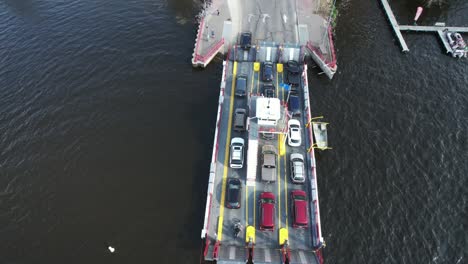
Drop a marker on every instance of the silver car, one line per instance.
(297, 168)
(236, 161)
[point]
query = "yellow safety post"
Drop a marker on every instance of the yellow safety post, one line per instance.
(279, 67)
(283, 236)
(282, 144)
(256, 66)
(234, 69)
(250, 234)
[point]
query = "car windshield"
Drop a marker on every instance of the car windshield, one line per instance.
(300, 197)
(234, 186)
(268, 200)
(295, 141)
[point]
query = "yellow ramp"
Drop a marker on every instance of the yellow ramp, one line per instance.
(282, 144)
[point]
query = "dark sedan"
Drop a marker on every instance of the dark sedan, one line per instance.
(234, 188)
(293, 75)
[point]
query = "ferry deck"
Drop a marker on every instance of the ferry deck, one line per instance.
(285, 244)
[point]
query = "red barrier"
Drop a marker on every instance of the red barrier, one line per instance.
(331, 63)
(200, 29)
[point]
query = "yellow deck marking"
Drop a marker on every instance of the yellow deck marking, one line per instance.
(226, 153)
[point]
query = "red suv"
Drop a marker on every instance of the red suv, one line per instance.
(299, 209)
(267, 211)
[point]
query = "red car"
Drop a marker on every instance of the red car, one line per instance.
(299, 209)
(267, 211)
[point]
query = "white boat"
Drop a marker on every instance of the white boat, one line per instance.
(320, 134)
(458, 45)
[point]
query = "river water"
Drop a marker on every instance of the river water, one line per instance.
(106, 135)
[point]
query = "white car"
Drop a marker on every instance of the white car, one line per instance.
(297, 168)
(236, 161)
(294, 133)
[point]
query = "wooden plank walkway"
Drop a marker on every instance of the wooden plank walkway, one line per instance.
(432, 28)
(395, 26)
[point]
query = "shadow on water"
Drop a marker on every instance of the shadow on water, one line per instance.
(185, 10)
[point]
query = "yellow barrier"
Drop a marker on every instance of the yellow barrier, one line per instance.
(256, 66)
(279, 67)
(283, 236)
(250, 234)
(234, 69)
(282, 145)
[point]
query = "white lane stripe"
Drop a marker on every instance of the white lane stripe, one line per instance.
(302, 257)
(232, 253)
(267, 255)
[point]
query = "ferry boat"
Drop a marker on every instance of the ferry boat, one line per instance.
(267, 209)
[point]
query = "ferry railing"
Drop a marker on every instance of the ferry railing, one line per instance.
(214, 158)
(314, 205)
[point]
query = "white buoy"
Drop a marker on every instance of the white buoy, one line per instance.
(111, 249)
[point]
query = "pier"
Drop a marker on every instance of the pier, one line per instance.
(438, 28)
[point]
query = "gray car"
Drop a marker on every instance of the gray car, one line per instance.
(269, 156)
(241, 85)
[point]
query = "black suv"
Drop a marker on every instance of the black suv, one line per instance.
(267, 74)
(234, 188)
(246, 40)
(241, 85)
(293, 75)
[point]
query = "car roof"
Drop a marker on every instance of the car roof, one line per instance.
(301, 211)
(300, 207)
(268, 210)
(269, 160)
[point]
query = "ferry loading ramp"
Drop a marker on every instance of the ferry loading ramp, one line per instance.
(305, 22)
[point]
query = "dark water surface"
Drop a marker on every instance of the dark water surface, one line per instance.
(106, 135)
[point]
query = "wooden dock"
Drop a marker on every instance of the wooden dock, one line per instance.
(440, 28)
(395, 26)
(432, 28)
